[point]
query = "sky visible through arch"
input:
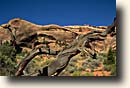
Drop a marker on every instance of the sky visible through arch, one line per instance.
(61, 12)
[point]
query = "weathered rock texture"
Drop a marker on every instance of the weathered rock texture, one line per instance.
(60, 42)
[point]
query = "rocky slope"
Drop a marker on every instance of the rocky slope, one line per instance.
(26, 36)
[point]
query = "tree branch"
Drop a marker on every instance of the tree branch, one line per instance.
(30, 56)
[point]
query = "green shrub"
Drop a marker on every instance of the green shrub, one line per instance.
(7, 59)
(110, 62)
(111, 58)
(88, 74)
(76, 73)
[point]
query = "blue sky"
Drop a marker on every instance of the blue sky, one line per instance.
(61, 12)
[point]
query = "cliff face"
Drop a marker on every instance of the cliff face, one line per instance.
(28, 36)
(28, 33)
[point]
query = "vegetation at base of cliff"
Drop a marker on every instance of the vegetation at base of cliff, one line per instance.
(110, 62)
(78, 66)
(7, 59)
(103, 65)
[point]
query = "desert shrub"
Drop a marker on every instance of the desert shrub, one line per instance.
(71, 69)
(31, 69)
(76, 73)
(7, 59)
(113, 69)
(88, 74)
(35, 65)
(21, 55)
(111, 58)
(110, 62)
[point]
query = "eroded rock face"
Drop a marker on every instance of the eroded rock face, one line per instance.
(4, 35)
(65, 41)
(28, 33)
